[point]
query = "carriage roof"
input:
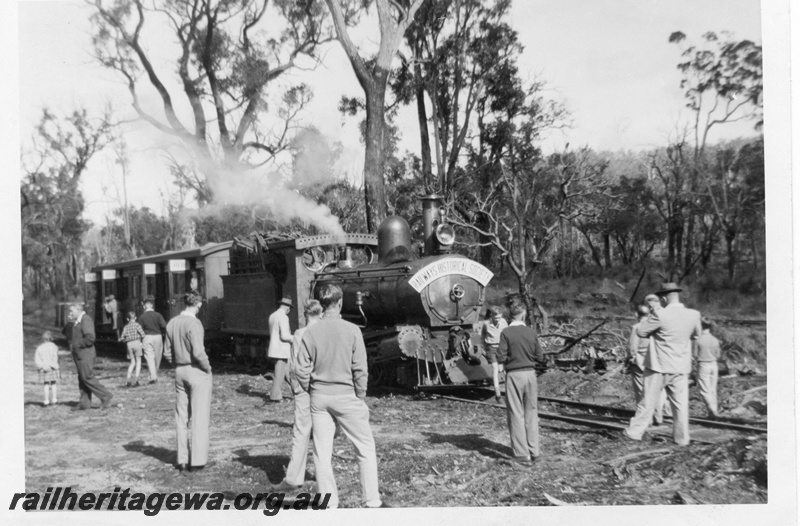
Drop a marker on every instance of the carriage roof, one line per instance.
(191, 253)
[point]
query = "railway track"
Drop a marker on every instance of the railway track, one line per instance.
(718, 424)
(610, 424)
(615, 423)
(721, 423)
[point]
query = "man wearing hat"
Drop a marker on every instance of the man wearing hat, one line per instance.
(668, 364)
(280, 345)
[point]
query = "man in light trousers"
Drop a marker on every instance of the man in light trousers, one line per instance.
(706, 353)
(186, 351)
(332, 366)
(280, 344)
(154, 325)
(301, 431)
(638, 349)
(519, 353)
(668, 365)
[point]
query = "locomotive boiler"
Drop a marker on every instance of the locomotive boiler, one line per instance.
(417, 313)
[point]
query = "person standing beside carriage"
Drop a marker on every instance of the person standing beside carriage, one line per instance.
(81, 335)
(280, 344)
(154, 326)
(186, 350)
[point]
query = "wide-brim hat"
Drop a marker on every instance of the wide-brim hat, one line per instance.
(666, 288)
(287, 302)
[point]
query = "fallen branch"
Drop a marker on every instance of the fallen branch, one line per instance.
(651, 459)
(251, 427)
(638, 454)
(464, 486)
(577, 340)
(753, 390)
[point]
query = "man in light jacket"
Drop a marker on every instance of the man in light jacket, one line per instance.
(669, 363)
(280, 345)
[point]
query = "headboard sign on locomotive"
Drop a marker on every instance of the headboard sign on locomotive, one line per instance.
(416, 311)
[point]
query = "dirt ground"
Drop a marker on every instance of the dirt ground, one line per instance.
(431, 451)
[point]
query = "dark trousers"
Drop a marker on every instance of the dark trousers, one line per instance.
(87, 383)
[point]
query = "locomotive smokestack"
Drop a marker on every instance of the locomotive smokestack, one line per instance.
(431, 204)
(394, 240)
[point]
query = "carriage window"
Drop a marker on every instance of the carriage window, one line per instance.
(136, 286)
(111, 288)
(196, 281)
(178, 284)
(150, 283)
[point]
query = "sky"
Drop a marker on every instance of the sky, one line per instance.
(608, 60)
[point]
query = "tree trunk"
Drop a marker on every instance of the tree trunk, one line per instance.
(374, 188)
(424, 137)
(607, 250)
(688, 255)
(730, 238)
(593, 250)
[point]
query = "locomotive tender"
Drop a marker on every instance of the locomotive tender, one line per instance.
(417, 313)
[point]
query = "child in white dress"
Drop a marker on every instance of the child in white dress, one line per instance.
(46, 359)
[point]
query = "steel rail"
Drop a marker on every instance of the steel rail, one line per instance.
(718, 424)
(562, 418)
(693, 420)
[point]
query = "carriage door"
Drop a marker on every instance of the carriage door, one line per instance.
(90, 297)
(134, 300)
(163, 298)
(148, 280)
(176, 270)
(109, 287)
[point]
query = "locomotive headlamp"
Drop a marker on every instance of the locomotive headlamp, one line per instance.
(458, 291)
(445, 235)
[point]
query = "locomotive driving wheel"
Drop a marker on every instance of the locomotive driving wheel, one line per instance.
(381, 375)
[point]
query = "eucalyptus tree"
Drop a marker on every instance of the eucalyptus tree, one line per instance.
(722, 79)
(52, 203)
(211, 80)
(372, 72)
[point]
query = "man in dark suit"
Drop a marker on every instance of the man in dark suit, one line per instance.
(81, 336)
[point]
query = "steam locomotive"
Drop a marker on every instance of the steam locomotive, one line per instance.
(416, 311)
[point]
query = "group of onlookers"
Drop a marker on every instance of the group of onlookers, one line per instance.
(327, 373)
(325, 364)
(663, 345)
(144, 337)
